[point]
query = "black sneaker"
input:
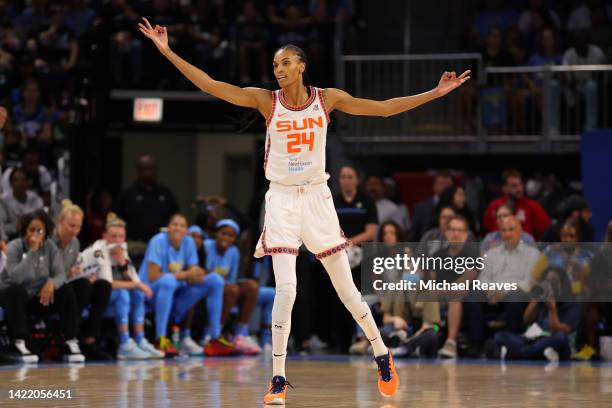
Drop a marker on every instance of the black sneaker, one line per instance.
(72, 353)
(92, 352)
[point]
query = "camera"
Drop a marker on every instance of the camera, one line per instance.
(550, 287)
(544, 291)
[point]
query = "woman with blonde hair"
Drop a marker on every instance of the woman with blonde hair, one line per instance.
(109, 258)
(88, 290)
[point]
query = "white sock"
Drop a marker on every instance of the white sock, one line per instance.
(339, 271)
(286, 283)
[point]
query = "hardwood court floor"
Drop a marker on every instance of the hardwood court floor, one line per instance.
(319, 382)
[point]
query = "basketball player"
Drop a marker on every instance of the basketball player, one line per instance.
(299, 207)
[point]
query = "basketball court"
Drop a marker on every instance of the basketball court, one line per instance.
(324, 381)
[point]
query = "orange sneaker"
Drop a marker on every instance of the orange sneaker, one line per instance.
(277, 391)
(388, 380)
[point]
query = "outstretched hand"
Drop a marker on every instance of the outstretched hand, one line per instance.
(157, 34)
(450, 81)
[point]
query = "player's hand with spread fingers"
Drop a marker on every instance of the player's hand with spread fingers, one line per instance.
(450, 81)
(157, 34)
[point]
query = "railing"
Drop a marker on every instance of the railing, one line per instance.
(551, 103)
(386, 76)
(510, 108)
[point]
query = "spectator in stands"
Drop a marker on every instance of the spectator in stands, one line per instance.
(146, 206)
(223, 257)
(583, 52)
(251, 35)
(387, 210)
(13, 150)
(33, 282)
(494, 238)
(574, 208)
(57, 50)
(570, 259)
(20, 198)
(117, 21)
(425, 211)
(296, 27)
(89, 291)
(207, 34)
(79, 17)
(391, 234)
(538, 17)
(600, 281)
(455, 197)
(588, 14)
(35, 17)
(512, 262)
(397, 310)
(356, 212)
(358, 220)
(170, 267)
(456, 235)
(515, 46)
(547, 53)
(498, 93)
(109, 258)
(434, 238)
(532, 216)
(494, 15)
(99, 205)
(38, 176)
(558, 319)
(392, 193)
(30, 113)
(8, 224)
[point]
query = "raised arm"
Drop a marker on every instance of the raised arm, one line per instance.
(344, 102)
(256, 98)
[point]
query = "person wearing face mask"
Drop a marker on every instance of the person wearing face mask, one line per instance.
(34, 282)
(89, 290)
(171, 268)
(109, 258)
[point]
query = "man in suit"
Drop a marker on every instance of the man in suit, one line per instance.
(424, 210)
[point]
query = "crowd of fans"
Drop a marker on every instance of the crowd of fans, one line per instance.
(175, 286)
(539, 33)
(172, 286)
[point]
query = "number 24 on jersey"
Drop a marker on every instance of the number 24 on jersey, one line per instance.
(297, 141)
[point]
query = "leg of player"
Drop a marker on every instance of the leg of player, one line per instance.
(339, 270)
(286, 283)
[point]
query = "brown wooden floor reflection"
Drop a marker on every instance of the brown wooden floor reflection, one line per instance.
(333, 382)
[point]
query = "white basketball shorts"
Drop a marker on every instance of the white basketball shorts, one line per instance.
(300, 214)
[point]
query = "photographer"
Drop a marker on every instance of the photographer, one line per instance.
(549, 336)
(573, 261)
(33, 282)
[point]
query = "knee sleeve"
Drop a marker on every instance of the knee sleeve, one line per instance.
(355, 304)
(283, 303)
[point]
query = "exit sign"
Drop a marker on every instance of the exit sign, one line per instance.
(148, 109)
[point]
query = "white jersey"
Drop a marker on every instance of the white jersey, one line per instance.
(295, 140)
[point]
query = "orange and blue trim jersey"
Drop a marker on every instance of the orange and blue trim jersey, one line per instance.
(295, 140)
